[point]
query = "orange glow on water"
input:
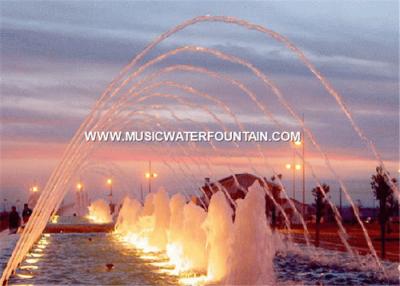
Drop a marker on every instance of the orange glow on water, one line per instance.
(169, 262)
(24, 276)
(96, 219)
(29, 267)
(32, 260)
(196, 280)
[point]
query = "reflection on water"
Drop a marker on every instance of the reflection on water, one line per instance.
(334, 271)
(69, 220)
(102, 259)
(82, 259)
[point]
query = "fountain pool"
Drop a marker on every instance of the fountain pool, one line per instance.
(82, 258)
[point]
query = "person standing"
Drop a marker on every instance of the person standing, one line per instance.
(14, 220)
(26, 213)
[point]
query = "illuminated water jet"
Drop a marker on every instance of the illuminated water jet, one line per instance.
(99, 212)
(76, 153)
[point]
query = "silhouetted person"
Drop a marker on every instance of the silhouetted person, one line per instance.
(14, 220)
(26, 213)
(112, 208)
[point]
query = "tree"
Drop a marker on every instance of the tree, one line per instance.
(320, 202)
(380, 184)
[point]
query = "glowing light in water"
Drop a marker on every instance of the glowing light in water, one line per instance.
(54, 219)
(43, 242)
(175, 255)
(24, 276)
(161, 264)
(195, 280)
(149, 256)
(200, 246)
(140, 242)
(99, 212)
(32, 260)
(36, 255)
(29, 267)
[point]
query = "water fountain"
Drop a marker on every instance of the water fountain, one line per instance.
(207, 243)
(252, 250)
(99, 212)
(184, 231)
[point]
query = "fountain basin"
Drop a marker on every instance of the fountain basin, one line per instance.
(78, 228)
(81, 258)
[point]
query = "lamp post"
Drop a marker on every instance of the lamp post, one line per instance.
(150, 175)
(109, 183)
(298, 167)
(79, 186)
(302, 166)
(112, 206)
(79, 189)
(33, 195)
(141, 194)
(294, 167)
(340, 201)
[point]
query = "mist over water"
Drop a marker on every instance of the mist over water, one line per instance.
(215, 246)
(99, 212)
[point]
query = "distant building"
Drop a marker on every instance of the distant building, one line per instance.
(309, 210)
(366, 214)
(237, 186)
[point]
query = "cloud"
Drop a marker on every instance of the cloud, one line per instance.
(57, 58)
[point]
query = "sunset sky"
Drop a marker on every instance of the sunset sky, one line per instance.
(58, 57)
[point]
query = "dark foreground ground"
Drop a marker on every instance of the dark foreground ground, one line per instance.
(329, 238)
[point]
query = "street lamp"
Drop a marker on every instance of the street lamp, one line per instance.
(33, 194)
(79, 188)
(109, 183)
(150, 175)
(299, 167)
(303, 155)
(294, 167)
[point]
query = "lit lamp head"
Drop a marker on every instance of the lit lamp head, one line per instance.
(150, 175)
(35, 189)
(297, 143)
(298, 167)
(79, 186)
(288, 166)
(109, 181)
